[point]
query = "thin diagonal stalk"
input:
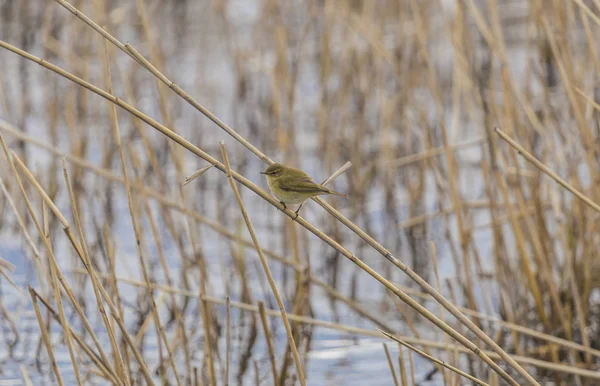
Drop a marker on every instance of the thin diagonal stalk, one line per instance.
(265, 265)
(46, 338)
(434, 359)
(546, 170)
(391, 364)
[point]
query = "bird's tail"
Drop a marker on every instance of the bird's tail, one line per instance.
(329, 191)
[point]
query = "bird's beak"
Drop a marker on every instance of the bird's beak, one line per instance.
(263, 172)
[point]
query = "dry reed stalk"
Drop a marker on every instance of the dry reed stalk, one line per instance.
(433, 359)
(25, 374)
(54, 46)
(10, 318)
(520, 241)
(493, 379)
(117, 137)
(588, 11)
(175, 152)
(157, 58)
(517, 318)
(104, 367)
(256, 374)
(579, 312)
(590, 39)
(162, 261)
(546, 170)
(115, 289)
(470, 325)
(108, 325)
(412, 368)
(269, 339)
(497, 46)
(4, 101)
(543, 264)
(142, 328)
(46, 338)
(434, 152)
(5, 264)
(265, 267)
(98, 288)
(195, 175)
(501, 219)
(450, 162)
(373, 333)
(176, 343)
(55, 276)
(565, 67)
(436, 274)
(306, 225)
(402, 366)
(360, 310)
(226, 233)
(160, 197)
(512, 326)
(500, 260)
(6, 275)
(42, 274)
(132, 52)
(206, 312)
(227, 338)
(391, 364)
(61, 311)
(520, 329)
(158, 243)
(300, 297)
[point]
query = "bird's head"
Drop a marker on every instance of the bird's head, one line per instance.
(274, 170)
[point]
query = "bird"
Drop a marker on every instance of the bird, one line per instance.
(292, 186)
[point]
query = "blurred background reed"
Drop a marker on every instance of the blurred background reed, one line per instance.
(408, 91)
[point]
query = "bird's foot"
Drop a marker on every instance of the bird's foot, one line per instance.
(298, 210)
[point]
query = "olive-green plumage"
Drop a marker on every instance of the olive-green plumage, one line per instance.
(293, 186)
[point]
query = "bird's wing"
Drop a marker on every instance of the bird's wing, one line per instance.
(303, 184)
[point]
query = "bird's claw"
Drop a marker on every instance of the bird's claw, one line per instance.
(296, 212)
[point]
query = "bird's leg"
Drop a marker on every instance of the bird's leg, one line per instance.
(298, 210)
(283, 203)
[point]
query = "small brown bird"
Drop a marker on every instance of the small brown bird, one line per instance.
(293, 186)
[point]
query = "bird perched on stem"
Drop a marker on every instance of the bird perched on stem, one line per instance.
(293, 186)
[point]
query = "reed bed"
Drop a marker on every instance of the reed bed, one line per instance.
(465, 134)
